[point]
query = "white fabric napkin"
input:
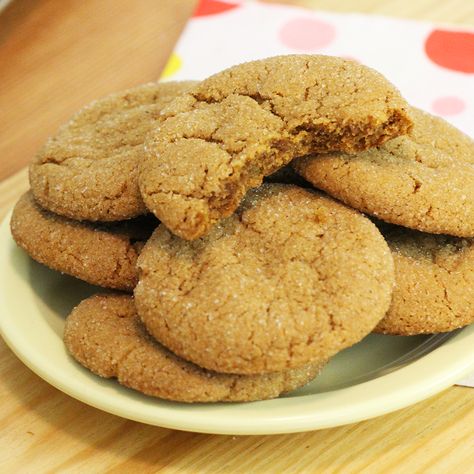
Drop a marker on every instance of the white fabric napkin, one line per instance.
(432, 65)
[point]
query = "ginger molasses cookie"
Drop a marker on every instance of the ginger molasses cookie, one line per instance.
(424, 181)
(103, 255)
(292, 277)
(226, 133)
(434, 282)
(88, 169)
(105, 334)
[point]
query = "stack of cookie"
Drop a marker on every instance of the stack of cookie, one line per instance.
(243, 290)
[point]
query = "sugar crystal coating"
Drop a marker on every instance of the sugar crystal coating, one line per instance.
(226, 133)
(88, 169)
(434, 282)
(101, 254)
(424, 180)
(105, 335)
(291, 277)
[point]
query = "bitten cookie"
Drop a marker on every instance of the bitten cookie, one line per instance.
(103, 255)
(434, 283)
(88, 169)
(105, 335)
(424, 181)
(292, 277)
(226, 133)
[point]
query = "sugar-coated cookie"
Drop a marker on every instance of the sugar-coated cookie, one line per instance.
(88, 169)
(105, 335)
(434, 282)
(424, 181)
(103, 255)
(226, 133)
(292, 277)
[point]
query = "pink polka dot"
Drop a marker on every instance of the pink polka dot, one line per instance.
(448, 105)
(306, 34)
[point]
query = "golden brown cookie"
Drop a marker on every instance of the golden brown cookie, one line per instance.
(105, 335)
(292, 277)
(228, 132)
(424, 181)
(103, 255)
(88, 169)
(434, 282)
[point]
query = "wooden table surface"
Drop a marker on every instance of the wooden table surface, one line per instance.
(56, 56)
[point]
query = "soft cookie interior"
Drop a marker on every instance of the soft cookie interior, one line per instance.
(225, 134)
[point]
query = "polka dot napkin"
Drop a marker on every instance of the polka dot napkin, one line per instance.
(433, 66)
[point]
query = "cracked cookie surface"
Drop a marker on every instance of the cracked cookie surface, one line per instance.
(226, 133)
(424, 181)
(89, 169)
(291, 277)
(100, 254)
(105, 334)
(434, 282)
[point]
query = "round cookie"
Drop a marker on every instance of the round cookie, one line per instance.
(105, 334)
(226, 133)
(292, 277)
(424, 181)
(88, 169)
(103, 255)
(434, 283)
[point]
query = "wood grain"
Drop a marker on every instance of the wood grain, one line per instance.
(56, 56)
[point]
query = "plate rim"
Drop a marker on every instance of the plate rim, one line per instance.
(304, 416)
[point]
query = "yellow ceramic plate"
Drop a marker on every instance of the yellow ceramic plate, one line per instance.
(379, 375)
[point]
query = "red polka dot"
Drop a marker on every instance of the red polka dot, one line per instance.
(212, 7)
(451, 49)
(307, 34)
(449, 105)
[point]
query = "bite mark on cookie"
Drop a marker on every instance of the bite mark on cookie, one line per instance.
(246, 122)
